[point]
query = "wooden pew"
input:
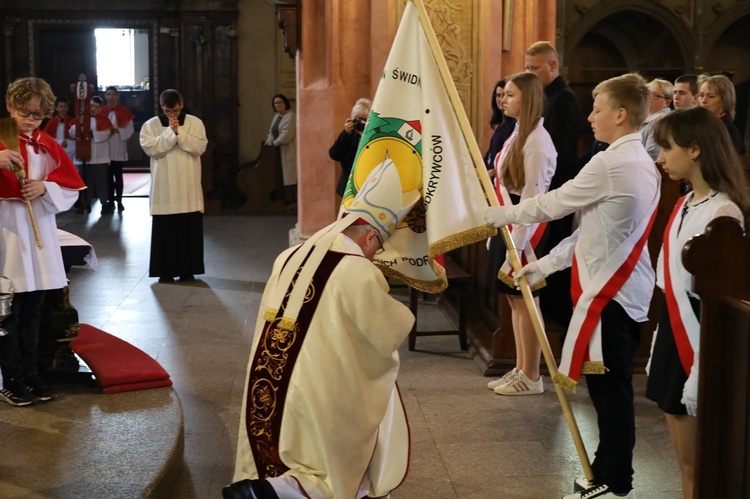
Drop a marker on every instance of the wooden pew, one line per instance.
(720, 262)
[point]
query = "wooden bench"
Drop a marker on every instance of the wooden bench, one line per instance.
(720, 262)
(458, 280)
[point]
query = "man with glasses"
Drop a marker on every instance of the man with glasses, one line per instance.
(175, 141)
(661, 98)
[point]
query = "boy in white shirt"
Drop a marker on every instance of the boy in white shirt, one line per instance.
(617, 193)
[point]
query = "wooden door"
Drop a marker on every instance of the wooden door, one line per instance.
(63, 54)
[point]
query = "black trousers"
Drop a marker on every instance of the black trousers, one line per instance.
(19, 348)
(176, 245)
(114, 177)
(612, 395)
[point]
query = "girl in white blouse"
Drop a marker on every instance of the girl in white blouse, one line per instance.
(523, 168)
(696, 148)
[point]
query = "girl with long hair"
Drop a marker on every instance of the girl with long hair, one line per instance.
(523, 169)
(696, 148)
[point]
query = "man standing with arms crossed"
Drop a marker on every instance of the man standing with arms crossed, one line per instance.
(562, 119)
(122, 129)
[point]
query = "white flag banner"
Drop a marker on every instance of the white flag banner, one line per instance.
(413, 123)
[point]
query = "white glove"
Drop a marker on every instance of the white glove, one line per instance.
(690, 390)
(497, 216)
(651, 354)
(532, 272)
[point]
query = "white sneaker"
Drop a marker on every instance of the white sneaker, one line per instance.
(505, 379)
(599, 492)
(521, 385)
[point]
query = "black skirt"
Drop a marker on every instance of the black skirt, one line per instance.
(667, 376)
(497, 254)
(176, 245)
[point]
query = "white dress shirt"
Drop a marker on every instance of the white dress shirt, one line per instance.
(539, 162)
(613, 193)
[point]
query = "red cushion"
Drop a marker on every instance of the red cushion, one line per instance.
(117, 365)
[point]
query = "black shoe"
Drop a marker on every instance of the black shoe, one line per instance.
(165, 280)
(14, 393)
(108, 208)
(120, 207)
(36, 388)
(187, 278)
(249, 489)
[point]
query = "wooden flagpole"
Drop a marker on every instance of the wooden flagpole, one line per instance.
(484, 178)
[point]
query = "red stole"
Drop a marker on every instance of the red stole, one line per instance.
(51, 127)
(273, 364)
(681, 315)
(122, 114)
(582, 350)
(65, 174)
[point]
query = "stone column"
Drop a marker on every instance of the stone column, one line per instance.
(333, 71)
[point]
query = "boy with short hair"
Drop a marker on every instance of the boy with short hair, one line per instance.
(617, 193)
(686, 91)
(52, 186)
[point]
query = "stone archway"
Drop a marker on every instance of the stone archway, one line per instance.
(726, 50)
(610, 41)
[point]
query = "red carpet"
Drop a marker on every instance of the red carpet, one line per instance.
(117, 365)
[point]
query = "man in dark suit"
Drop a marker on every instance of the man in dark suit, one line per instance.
(562, 119)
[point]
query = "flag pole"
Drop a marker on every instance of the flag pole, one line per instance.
(481, 171)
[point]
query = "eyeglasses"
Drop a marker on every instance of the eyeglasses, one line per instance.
(380, 242)
(24, 113)
(657, 96)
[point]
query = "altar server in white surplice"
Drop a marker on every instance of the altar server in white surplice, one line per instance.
(322, 416)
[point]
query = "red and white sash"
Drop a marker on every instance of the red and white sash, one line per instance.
(505, 273)
(682, 318)
(582, 350)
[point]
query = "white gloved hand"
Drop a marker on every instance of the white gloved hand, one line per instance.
(532, 272)
(690, 392)
(497, 216)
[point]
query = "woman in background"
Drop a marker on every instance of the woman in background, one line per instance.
(281, 135)
(501, 124)
(717, 94)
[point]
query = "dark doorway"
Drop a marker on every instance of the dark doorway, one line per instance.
(64, 54)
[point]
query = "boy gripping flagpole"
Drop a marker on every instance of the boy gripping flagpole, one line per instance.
(481, 171)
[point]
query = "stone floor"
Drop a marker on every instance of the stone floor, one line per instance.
(467, 442)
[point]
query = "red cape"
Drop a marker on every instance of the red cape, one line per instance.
(65, 175)
(51, 127)
(102, 122)
(122, 113)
